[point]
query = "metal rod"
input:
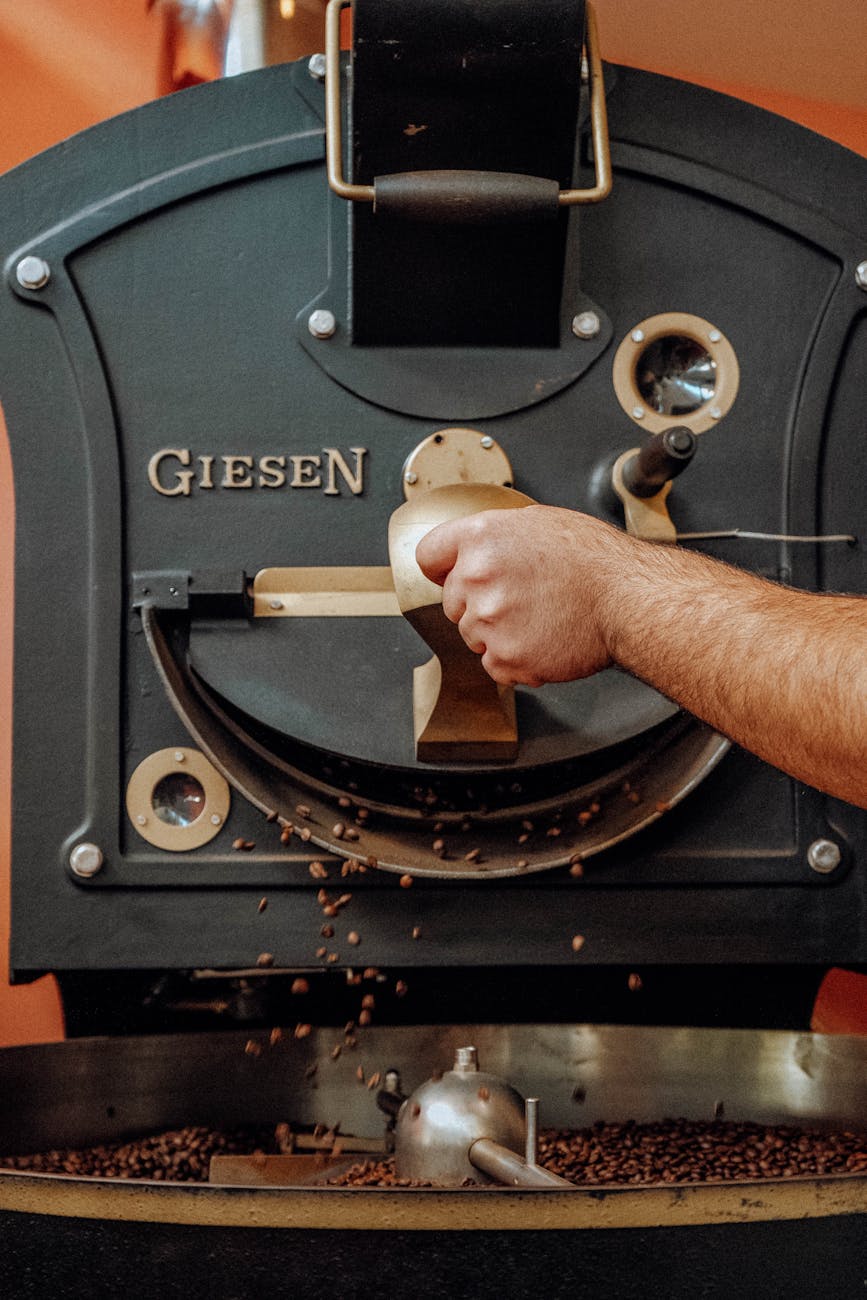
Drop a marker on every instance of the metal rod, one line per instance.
(531, 1111)
(510, 1169)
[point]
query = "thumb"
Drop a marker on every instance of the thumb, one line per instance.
(437, 552)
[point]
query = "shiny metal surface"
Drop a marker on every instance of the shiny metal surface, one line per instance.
(439, 1124)
(95, 1089)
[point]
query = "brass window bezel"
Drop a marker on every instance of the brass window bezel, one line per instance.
(145, 779)
(701, 331)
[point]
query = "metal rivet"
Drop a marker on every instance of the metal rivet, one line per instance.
(714, 336)
(637, 336)
(322, 324)
(32, 272)
(215, 819)
(638, 412)
(141, 820)
(861, 275)
(487, 441)
(180, 756)
(410, 476)
(715, 413)
(86, 859)
(316, 66)
(275, 604)
(586, 325)
(824, 856)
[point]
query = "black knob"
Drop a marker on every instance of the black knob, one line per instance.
(660, 460)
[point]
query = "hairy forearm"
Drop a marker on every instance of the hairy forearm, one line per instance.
(782, 672)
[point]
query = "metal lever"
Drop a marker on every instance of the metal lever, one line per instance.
(460, 713)
(642, 479)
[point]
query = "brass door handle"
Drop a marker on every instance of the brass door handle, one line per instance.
(460, 714)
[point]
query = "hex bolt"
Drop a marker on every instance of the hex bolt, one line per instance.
(321, 324)
(32, 272)
(824, 856)
(86, 860)
(586, 325)
(316, 66)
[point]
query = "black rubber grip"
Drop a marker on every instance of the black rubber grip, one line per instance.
(466, 197)
(660, 460)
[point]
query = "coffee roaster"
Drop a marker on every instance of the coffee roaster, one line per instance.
(255, 340)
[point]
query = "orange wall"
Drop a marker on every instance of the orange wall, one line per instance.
(69, 63)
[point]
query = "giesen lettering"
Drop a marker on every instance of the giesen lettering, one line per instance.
(174, 471)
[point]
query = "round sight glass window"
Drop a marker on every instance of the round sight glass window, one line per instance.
(178, 799)
(675, 375)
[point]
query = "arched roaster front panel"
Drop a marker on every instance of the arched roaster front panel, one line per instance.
(236, 399)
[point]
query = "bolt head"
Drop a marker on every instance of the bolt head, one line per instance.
(824, 856)
(32, 272)
(638, 412)
(410, 477)
(714, 336)
(275, 604)
(180, 756)
(86, 860)
(716, 413)
(586, 325)
(637, 336)
(487, 441)
(321, 324)
(316, 66)
(861, 275)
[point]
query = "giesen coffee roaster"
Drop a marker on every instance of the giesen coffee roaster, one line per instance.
(255, 340)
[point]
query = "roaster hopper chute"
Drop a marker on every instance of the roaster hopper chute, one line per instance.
(255, 339)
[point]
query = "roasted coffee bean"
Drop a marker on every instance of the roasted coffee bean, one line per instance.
(473, 855)
(416, 932)
(373, 1081)
(364, 1017)
(353, 938)
(263, 903)
(302, 810)
(368, 1002)
(338, 830)
(634, 983)
(371, 972)
(286, 833)
(577, 869)
(300, 985)
(303, 1031)
(578, 942)
(265, 959)
(327, 932)
(275, 1035)
(343, 802)
(317, 871)
(401, 989)
(406, 882)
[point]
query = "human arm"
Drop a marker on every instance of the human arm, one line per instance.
(545, 595)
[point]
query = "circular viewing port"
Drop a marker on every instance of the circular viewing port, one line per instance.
(675, 369)
(178, 799)
(675, 375)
